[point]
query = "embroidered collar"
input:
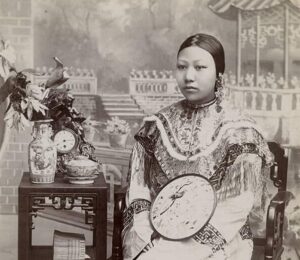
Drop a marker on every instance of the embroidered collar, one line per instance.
(185, 138)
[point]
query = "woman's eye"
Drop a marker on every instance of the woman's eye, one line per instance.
(199, 67)
(181, 67)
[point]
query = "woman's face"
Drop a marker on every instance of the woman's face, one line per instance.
(196, 74)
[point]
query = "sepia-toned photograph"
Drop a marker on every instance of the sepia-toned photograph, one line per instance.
(149, 129)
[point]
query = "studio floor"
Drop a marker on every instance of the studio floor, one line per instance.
(41, 236)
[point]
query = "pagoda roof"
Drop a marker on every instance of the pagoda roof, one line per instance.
(228, 8)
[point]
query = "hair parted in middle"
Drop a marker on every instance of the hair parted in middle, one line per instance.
(210, 44)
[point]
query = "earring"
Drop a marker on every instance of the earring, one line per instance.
(219, 92)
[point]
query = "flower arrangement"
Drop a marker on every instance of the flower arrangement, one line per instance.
(28, 102)
(31, 102)
(117, 126)
(24, 98)
(23, 103)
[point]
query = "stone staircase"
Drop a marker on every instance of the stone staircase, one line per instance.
(121, 105)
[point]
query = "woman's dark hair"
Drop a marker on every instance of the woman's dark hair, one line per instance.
(210, 44)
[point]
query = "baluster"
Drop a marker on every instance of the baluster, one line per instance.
(274, 103)
(264, 101)
(297, 101)
(254, 101)
(161, 89)
(143, 87)
(240, 99)
(152, 87)
(165, 88)
(286, 102)
(247, 100)
(158, 87)
(148, 87)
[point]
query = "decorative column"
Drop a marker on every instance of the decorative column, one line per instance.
(239, 52)
(286, 45)
(257, 54)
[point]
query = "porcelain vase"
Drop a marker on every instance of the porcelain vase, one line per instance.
(42, 153)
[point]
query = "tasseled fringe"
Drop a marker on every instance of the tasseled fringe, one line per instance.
(231, 186)
(243, 175)
(264, 190)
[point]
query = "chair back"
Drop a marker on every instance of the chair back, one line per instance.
(278, 172)
(270, 246)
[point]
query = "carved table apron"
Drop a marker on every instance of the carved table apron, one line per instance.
(91, 198)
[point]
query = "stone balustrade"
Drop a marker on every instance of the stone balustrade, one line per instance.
(153, 90)
(267, 101)
(81, 81)
(152, 83)
(151, 74)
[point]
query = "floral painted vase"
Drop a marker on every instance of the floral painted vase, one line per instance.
(42, 153)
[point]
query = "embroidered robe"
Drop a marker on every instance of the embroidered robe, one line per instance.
(227, 148)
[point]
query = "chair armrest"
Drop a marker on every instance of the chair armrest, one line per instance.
(119, 206)
(274, 228)
(120, 193)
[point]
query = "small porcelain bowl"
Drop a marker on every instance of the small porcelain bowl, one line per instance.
(81, 166)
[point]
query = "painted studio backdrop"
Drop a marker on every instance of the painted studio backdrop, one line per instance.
(120, 56)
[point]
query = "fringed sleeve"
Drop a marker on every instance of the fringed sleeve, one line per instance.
(137, 230)
(242, 187)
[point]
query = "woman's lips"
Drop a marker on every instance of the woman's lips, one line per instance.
(190, 88)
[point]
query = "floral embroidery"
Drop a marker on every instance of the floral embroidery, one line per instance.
(178, 128)
(210, 236)
(165, 137)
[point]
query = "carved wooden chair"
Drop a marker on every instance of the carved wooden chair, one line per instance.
(267, 248)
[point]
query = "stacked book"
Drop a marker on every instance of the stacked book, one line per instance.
(68, 246)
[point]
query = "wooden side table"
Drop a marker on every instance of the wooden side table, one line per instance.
(92, 200)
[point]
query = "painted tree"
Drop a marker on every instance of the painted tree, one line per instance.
(114, 36)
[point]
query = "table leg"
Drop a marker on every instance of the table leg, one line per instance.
(24, 228)
(101, 226)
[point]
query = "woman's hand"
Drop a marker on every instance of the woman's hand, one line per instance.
(148, 247)
(152, 242)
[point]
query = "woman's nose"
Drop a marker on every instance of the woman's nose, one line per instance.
(190, 74)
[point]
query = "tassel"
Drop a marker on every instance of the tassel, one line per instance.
(244, 174)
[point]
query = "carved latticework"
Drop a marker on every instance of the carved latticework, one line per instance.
(274, 15)
(294, 16)
(271, 26)
(62, 201)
